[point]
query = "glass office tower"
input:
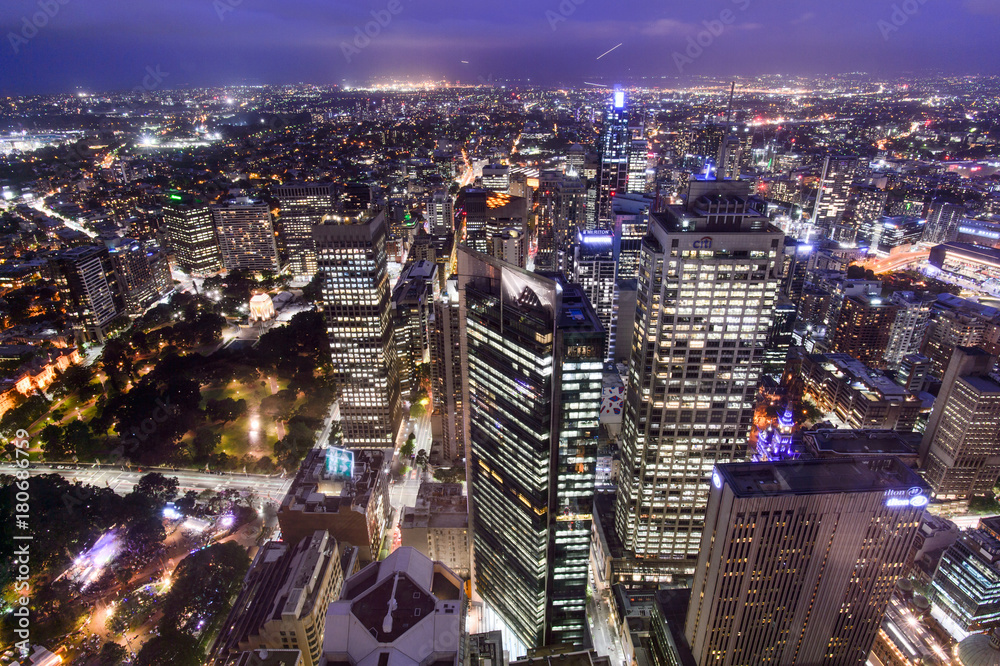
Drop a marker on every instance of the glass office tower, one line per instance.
(532, 358)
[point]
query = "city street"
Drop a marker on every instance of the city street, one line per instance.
(605, 636)
(266, 487)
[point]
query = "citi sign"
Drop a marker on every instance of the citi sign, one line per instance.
(703, 244)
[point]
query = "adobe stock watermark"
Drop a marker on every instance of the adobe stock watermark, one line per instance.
(20, 563)
(223, 7)
(363, 35)
(900, 16)
(565, 9)
(698, 43)
(30, 25)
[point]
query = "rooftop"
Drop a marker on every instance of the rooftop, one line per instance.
(863, 441)
(814, 477)
(317, 489)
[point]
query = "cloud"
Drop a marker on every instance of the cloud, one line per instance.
(805, 18)
(667, 28)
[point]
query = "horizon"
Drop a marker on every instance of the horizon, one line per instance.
(58, 46)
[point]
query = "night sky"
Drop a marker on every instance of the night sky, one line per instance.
(108, 44)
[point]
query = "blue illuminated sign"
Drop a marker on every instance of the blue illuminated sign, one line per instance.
(340, 463)
(619, 99)
(913, 497)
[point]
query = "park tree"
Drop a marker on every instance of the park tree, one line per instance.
(111, 654)
(406, 450)
(170, 648)
(204, 581)
(160, 488)
(54, 444)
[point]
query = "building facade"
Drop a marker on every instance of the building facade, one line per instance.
(92, 292)
(532, 362)
(191, 235)
(355, 301)
(301, 207)
(799, 560)
(708, 282)
(246, 235)
(960, 452)
(284, 599)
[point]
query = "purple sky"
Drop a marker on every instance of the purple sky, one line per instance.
(107, 44)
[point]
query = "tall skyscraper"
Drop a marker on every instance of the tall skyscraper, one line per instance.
(355, 303)
(246, 235)
(799, 559)
(960, 452)
(779, 340)
(594, 271)
(631, 213)
(533, 352)
(93, 296)
(913, 313)
(191, 235)
(142, 271)
(638, 162)
(834, 191)
(440, 212)
(446, 372)
(615, 146)
(708, 281)
(301, 207)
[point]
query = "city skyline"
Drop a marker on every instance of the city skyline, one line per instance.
(521, 335)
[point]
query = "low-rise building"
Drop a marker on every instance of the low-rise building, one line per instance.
(842, 443)
(343, 492)
(860, 396)
(283, 602)
(438, 526)
(405, 611)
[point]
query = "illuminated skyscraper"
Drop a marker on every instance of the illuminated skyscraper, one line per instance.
(834, 191)
(440, 212)
(864, 327)
(412, 305)
(799, 560)
(594, 271)
(612, 172)
(246, 235)
(961, 447)
(638, 161)
(191, 235)
(302, 206)
(356, 306)
(142, 271)
(533, 352)
(91, 292)
(906, 334)
(708, 280)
